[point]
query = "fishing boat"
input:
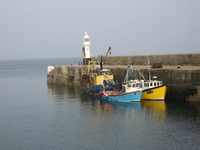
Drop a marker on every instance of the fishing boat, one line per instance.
(130, 92)
(152, 89)
(95, 77)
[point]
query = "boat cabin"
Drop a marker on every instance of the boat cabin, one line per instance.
(130, 86)
(144, 84)
(153, 83)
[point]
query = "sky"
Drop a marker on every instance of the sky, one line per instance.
(55, 28)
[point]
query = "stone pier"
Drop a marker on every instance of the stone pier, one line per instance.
(183, 83)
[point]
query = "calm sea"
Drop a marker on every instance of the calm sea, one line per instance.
(38, 116)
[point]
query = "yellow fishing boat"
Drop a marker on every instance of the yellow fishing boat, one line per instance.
(151, 89)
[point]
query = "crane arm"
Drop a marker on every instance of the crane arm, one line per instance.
(108, 51)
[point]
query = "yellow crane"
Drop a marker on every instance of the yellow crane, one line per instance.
(106, 56)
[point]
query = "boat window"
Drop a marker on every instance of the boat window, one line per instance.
(146, 84)
(158, 83)
(151, 84)
(140, 85)
(137, 85)
(129, 85)
(133, 85)
(154, 83)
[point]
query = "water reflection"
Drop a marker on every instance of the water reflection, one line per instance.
(184, 110)
(135, 105)
(156, 108)
(62, 92)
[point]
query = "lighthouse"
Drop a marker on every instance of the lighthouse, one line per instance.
(86, 49)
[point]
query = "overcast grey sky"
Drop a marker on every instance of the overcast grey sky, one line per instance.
(55, 28)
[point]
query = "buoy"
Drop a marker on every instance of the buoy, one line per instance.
(105, 94)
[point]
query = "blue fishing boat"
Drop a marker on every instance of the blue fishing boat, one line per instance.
(123, 97)
(131, 92)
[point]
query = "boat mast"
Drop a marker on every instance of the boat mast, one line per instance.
(101, 63)
(141, 75)
(149, 74)
(148, 65)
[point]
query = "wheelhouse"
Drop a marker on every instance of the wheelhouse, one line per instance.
(153, 83)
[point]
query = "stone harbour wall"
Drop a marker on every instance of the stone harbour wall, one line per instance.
(182, 83)
(176, 59)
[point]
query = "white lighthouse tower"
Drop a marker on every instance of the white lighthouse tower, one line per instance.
(86, 49)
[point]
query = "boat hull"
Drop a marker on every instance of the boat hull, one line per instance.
(127, 97)
(157, 93)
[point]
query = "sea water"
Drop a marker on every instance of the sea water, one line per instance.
(35, 115)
